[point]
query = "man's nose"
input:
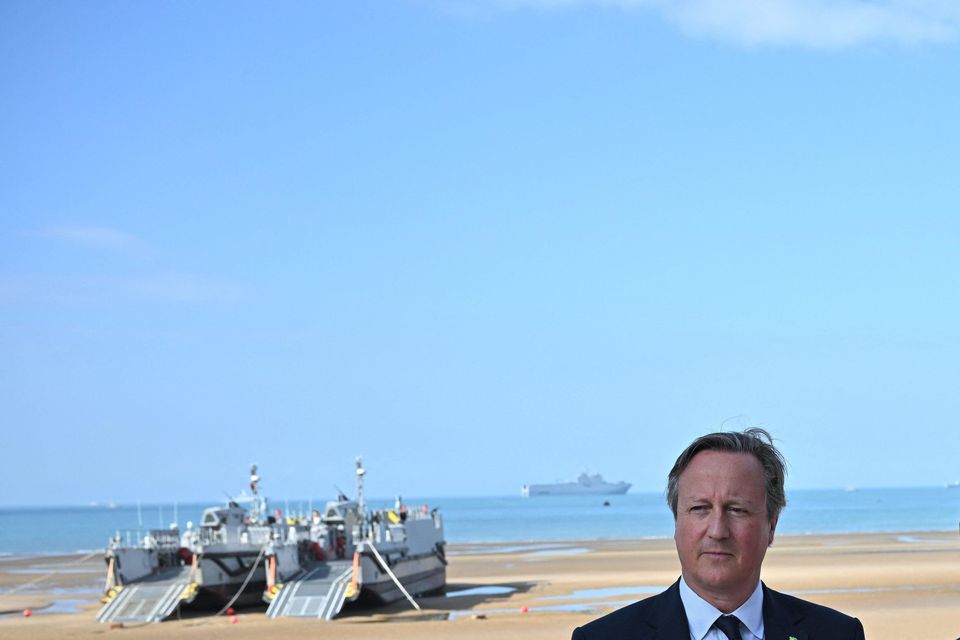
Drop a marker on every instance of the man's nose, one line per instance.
(717, 527)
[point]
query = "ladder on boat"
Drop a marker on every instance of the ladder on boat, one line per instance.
(151, 600)
(318, 593)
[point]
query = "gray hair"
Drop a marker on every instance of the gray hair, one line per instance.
(754, 441)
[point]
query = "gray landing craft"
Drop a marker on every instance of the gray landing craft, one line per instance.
(586, 484)
(305, 567)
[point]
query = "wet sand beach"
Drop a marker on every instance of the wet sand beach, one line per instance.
(902, 586)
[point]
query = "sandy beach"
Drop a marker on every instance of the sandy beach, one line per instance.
(902, 586)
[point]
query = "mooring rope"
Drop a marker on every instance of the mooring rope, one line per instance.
(246, 581)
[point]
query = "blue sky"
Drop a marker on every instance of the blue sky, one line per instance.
(481, 243)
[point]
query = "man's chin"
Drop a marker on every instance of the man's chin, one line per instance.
(717, 582)
(718, 574)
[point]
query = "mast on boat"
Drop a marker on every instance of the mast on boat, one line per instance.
(255, 514)
(361, 505)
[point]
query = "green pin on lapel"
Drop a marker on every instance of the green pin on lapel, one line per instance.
(792, 638)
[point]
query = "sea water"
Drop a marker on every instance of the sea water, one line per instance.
(48, 530)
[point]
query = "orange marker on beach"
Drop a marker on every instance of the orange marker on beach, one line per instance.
(234, 619)
(27, 613)
(524, 610)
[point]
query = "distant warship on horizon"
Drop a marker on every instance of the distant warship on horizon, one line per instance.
(586, 484)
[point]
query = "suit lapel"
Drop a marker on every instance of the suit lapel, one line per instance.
(780, 621)
(669, 621)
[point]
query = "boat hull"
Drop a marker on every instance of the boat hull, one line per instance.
(417, 575)
(218, 596)
(575, 489)
(224, 570)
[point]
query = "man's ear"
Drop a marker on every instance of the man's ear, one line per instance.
(773, 530)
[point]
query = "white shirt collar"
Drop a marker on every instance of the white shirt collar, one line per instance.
(701, 614)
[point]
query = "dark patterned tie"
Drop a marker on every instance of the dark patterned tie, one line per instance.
(730, 626)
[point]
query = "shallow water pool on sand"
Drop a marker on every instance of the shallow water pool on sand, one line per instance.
(55, 571)
(581, 607)
(575, 551)
(609, 592)
(493, 590)
(69, 605)
(468, 550)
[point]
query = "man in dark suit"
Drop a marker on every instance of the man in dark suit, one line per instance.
(726, 493)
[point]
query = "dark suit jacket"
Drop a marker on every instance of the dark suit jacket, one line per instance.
(661, 617)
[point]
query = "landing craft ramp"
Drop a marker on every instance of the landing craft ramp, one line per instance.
(318, 593)
(148, 601)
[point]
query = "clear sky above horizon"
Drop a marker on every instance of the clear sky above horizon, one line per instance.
(480, 243)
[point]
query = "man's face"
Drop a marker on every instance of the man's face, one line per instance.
(722, 529)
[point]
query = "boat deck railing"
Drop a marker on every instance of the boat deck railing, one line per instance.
(251, 534)
(163, 539)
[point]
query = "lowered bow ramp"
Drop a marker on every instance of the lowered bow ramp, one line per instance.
(147, 601)
(319, 593)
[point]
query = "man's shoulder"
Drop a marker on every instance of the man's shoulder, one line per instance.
(812, 614)
(630, 620)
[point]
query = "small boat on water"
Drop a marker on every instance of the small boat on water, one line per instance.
(305, 567)
(585, 484)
